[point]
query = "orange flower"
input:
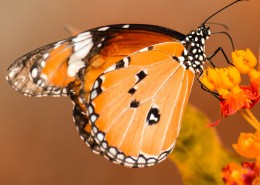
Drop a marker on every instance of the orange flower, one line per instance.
(233, 174)
(235, 101)
(252, 92)
(246, 174)
(248, 145)
(226, 82)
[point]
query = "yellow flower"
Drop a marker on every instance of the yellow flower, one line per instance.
(248, 145)
(226, 82)
(244, 60)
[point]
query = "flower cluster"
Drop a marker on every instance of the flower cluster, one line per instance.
(226, 82)
(246, 174)
(234, 97)
(249, 172)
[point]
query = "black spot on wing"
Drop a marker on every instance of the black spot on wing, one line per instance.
(140, 76)
(123, 63)
(132, 90)
(120, 64)
(134, 104)
(153, 116)
(150, 47)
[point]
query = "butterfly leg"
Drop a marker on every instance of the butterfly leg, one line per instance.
(213, 55)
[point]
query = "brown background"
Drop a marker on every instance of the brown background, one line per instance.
(38, 142)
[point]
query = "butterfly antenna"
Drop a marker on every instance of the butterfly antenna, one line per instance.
(219, 24)
(222, 10)
(229, 36)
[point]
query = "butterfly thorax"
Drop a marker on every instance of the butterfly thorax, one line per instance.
(193, 55)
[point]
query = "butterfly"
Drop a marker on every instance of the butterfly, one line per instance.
(129, 84)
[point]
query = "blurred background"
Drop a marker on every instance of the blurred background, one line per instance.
(38, 141)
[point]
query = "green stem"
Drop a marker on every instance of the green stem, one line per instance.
(252, 121)
(251, 115)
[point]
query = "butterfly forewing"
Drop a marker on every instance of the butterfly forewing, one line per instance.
(49, 69)
(136, 105)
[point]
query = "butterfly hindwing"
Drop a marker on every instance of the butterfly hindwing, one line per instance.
(135, 106)
(120, 42)
(84, 129)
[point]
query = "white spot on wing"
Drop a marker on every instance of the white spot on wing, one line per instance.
(64, 91)
(11, 74)
(126, 61)
(95, 130)
(144, 49)
(90, 110)
(95, 84)
(104, 145)
(152, 117)
(45, 55)
(84, 34)
(81, 46)
(129, 160)
(93, 118)
(141, 160)
(103, 28)
(74, 67)
(112, 151)
(42, 64)
(81, 51)
(100, 136)
(80, 39)
(34, 72)
(120, 156)
(126, 26)
(151, 161)
(93, 94)
(111, 68)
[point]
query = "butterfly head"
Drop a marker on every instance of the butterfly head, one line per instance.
(194, 53)
(198, 36)
(205, 31)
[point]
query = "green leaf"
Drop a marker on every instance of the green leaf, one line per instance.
(199, 154)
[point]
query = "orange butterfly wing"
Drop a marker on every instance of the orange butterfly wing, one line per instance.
(121, 44)
(135, 106)
(48, 71)
(54, 70)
